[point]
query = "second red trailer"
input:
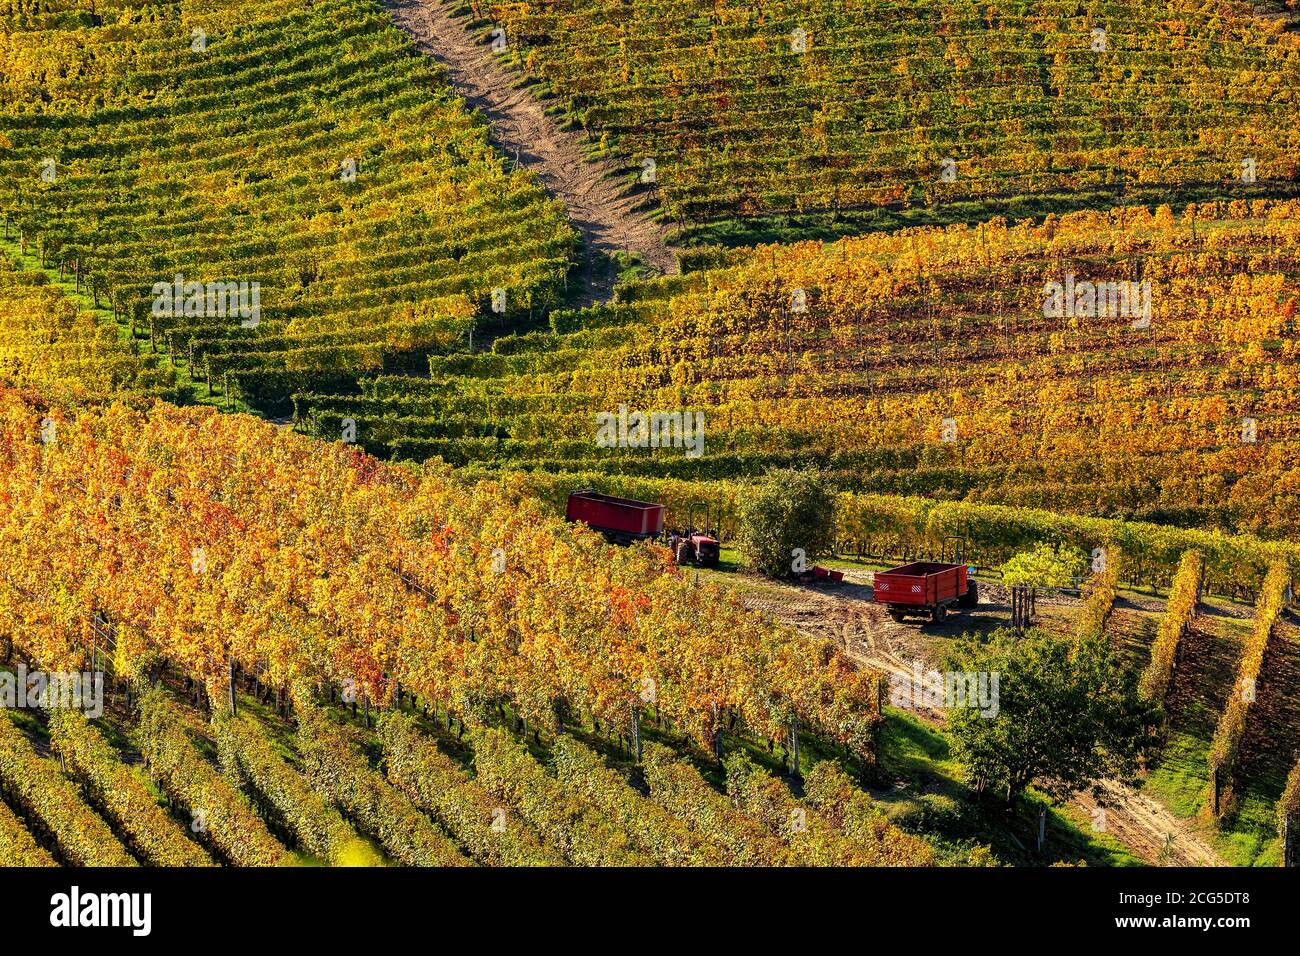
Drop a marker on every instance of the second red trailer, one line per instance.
(924, 587)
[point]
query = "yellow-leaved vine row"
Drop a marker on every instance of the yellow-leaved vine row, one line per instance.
(1179, 611)
(1288, 807)
(585, 834)
(335, 763)
(205, 539)
(1100, 599)
(584, 776)
(53, 802)
(17, 846)
(249, 756)
(117, 788)
(220, 814)
(478, 822)
(730, 108)
(1232, 722)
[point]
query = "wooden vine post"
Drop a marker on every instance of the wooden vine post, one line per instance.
(717, 733)
(1022, 607)
(230, 683)
(636, 731)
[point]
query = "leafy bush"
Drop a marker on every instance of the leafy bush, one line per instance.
(790, 512)
(1044, 567)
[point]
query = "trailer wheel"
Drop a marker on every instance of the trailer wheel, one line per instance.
(939, 614)
(898, 616)
(972, 596)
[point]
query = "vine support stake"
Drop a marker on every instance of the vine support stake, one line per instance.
(636, 732)
(717, 733)
(794, 747)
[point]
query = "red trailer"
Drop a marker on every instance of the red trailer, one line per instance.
(620, 520)
(925, 588)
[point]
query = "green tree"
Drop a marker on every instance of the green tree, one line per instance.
(1044, 567)
(789, 517)
(1067, 715)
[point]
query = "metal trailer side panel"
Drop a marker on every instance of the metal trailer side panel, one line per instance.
(900, 588)
(642, 519)
(925, 589)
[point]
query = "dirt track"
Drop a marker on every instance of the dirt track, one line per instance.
(846, 615)
(596, 205)
(1147, 828)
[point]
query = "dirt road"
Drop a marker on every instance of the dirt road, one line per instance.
(846, 615)
(597, 206)
(1146, 828)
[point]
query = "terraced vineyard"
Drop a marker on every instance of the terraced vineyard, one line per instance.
(302, 149)
(377, 579)
(790, 107)
(47, 342)
(369, 639)
(915, 363)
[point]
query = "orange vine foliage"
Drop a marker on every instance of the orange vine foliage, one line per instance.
(204, 538)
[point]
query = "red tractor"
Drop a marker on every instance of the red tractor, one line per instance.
(698, 549)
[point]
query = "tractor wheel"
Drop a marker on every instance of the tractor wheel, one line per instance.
(939, 614)
(972, 595)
